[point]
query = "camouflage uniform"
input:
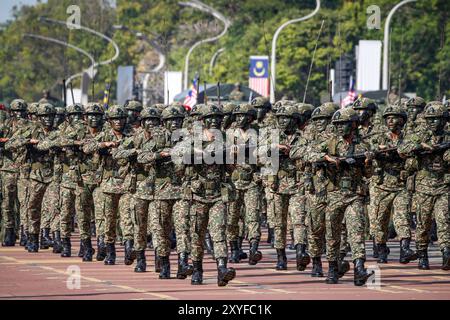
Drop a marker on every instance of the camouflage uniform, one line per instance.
(345, 197)
(432, 182)
(246, 181)
(116, 179)
(210, 197)
(42, 158)
(12, 160)
(389, 192)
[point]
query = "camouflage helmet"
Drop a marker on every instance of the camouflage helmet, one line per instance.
(436, 109)
(395, 110)
(94, 108)
(345, 115)
(261, 102)
(210, 109)
(288, 111)
(116, 112)
(45, 109)
(245, 109)
(32, 108)
(134, 105)
(305, 109)
(75, 109)
(150, 112)
(324, 111)
(159, 106)
(196, 110)
(172, 112)
(416, 102)
(365, 104)
(60, 110)
(18, 105)
(228, 108)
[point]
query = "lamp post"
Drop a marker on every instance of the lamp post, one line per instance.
(386, 43)
(213, 60)
(274, 48)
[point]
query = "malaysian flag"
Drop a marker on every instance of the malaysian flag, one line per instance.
(191, 98)
(351, 96)
(259, 75)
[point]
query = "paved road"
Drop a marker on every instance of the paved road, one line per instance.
(44, 276)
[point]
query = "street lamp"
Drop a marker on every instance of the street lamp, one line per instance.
(205, 8)
(213, 60)
(386, 43)
(274, 48)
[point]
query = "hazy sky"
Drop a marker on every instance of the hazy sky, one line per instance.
(6, 7)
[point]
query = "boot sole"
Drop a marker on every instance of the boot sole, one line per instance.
(255, 259)
(303, 262)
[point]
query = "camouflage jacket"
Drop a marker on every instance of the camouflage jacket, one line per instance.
(347, 178)
(433, 176)
(13, 159)
(389, 169)
(115, 176)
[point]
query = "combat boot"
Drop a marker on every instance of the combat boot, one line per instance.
(141, 265)
(110, 258)
(57, 246)
(332, 277)
(184, 268)
(10, 238)
(270, 237)
(242, 254)
(48, 240)
(406, 254)
(149, 242)
(33, 246)
(343, 266)
(88, 250)
(28, 241)
(303, 259)
(375, 249)
(157, 262)
(423, 259)
(130, 255)
(43, 245)
(197, 276)
(281, 260)
(446, 259)
(255, 256)
(23, 237)
(209, 244)
(81, 252)
(101, 249)
(382, 253)
(360, 273)
(224, 274)
(165, 268)
(317, 271)
(234, 247)
(66, 248)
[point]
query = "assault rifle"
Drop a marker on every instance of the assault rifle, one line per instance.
(354, 158)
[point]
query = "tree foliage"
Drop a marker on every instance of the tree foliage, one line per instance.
(419, 42)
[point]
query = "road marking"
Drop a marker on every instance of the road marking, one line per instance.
(158, 295)
(409, 289)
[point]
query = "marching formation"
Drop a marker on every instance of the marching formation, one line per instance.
(210, 178)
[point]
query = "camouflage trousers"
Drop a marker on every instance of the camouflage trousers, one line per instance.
(437, 207)
(316, 224)
(126, 220)
(23, 196)
(141, 216)
(297, 216)
(37, 191)
(114, 206)
(151, 214)
(234, 219)
(214, 216)
(269, 207)
(250, 200)
(51, 204)
(339, 206)
(383, 203)
(10, 201)
(171, 213)
(82, 200)
(99, 212)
